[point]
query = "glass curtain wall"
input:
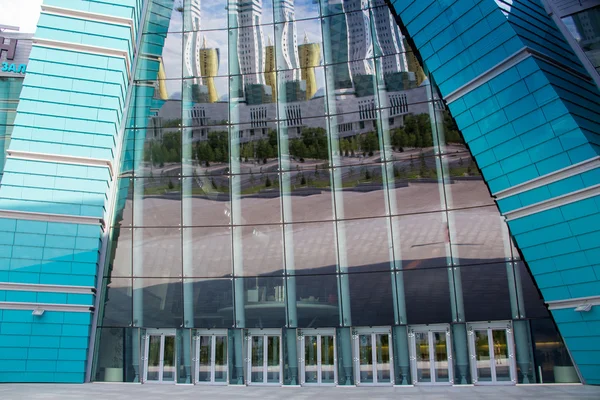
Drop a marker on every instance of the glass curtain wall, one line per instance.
(289, 164)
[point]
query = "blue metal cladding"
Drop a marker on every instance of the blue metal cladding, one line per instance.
(539, 116)
(65, 137)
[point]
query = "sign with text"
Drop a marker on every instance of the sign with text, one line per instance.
(14, 53)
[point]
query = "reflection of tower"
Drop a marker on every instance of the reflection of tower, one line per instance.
(388, 39)
(250, 46)
(270, 68)
(360, 45)
(413, 64)
(287, 42)
(337, 37)
(192, 42)
(310, 57)
(209, 67)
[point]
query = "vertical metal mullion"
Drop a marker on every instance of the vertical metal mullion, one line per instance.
(265, 358)
(391, 357)
(319, 361)
(161, 358)
(356, 347)
(146, 351)
(213, 352)
(335, 366)
(302, 359)
(374, 356)
(197, 341)
(492, 355)
(431, 357)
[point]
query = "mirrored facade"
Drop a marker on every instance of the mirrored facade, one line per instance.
(293, 187)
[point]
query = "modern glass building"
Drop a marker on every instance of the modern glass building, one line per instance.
(304, 192)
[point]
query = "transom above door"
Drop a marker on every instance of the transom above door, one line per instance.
(492, 354)
(318, 356)
(373, 356)
(431, 354)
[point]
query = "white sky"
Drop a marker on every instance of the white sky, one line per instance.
(21, 13)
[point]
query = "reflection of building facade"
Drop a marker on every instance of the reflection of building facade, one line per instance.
(287, 40)
(192, 41)
(250, 42)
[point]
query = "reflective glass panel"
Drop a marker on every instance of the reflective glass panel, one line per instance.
(383, 358)
(482, 356)
(264, 302)
(368, 292)
(212, 302)
(207, 252)
(311, 370)
(423, 357)
(157, 252)
(220, 358)
(365, 243)
(261, 250)
(313, 246)
(307, 195)
(316, 300)
(273, 361)
(365, 357)
(441, 356)
(501, 355)
(327, 359)
(257, 359)
(154, 355)
(157, 302)
(204, 359)
(169, 359)
(117, 302)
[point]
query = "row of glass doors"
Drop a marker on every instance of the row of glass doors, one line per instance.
(491, 351)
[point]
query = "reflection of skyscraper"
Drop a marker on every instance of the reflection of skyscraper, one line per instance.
(310, 57)
(336, 35)
(360, 43)
(209, 67)
(287, 42)
(270, 68)
(192, 41)
(250, 45)
(388, 39)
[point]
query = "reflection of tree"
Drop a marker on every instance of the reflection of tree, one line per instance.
(451, 131)
(415, 133)
(215, 149)
(168, 150)
(312, 144)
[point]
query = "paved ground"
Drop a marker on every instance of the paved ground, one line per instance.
(154, 392)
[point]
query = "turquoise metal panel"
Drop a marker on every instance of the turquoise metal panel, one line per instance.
(72, 106)
(533, 119)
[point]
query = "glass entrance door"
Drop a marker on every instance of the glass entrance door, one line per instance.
(431, 354)
(492, 353)
(318, 357)
(264, 357)
(373, 359)
(211, 357)
(159, 357)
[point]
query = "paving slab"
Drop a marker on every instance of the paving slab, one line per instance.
(93, 391)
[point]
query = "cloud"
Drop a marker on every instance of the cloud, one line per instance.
(21, 13)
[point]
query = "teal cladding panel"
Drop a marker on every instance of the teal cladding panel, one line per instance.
(535, 118)
(71, 107)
